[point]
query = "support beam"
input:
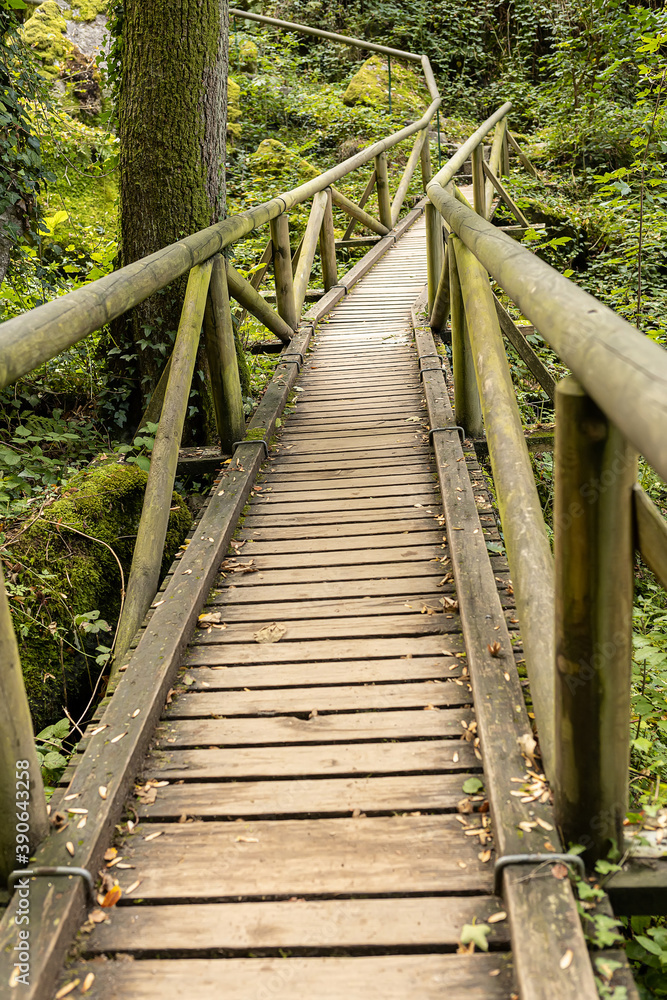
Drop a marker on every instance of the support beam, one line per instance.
(147, 559)
(494, 182)
(328, 246)
(595, 470)
(382, 184)
(307, 256)
(368, 191)
(19, 766)
(651, 535)
(525, 351)
(244, 293)
(522, 156)
(357, 213)
(282, 269)
(404, 182)
(495, 158)
(222, 361)
(258, 276)
(478, 191)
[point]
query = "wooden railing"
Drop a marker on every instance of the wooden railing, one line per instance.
(29, 340)
(575, 607)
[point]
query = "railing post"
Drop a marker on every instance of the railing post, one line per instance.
(478, 181)
(282, 269)
(307, 255)
(19, 766)
(222, 361)
(595, 470)
(328, 245)
(434, 251)
(382, 183)
(425, 157)
(467, 406)
(440, 311)
(505, 156)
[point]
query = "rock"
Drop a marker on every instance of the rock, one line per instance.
(369, 86)
(273, 159)
(66, 574)
(248, 56)
(233, 109)
(45, 32)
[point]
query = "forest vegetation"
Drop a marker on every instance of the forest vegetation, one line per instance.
(588, 83)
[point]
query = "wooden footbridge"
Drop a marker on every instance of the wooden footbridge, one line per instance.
(314, 773)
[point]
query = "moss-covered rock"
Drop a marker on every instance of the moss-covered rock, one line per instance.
(86, 10)
(45, 33)
(233, 109)
(248, 56)
(55, 574)
(273, 159)
(369, 86)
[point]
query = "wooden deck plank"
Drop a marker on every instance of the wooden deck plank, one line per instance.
(284, 610)
(263, 546)
(333, 923)
(396, 578)
(377, 854)
(371, 558)
(322, 649)
(282, 701)
(330, 629)
(308, 797)
(343, 728)
(363, 978)
(327, 760)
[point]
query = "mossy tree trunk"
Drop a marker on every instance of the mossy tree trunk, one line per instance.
(172, 121)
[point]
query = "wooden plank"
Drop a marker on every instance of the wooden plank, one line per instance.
(304, 675)
(404, 503)
(345, 492)
(651, 532)
(307, 797)
(409, 757)
(362, 978)
(282, 701)
(345, 557)
(378, 854)
(641, 888)
(380, 626)
(344, 608)
(368, 529)
(256, 546)
(333, 923)
(397, 578)
(383, 457)
(344, 728)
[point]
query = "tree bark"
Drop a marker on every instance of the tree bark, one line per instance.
(172, 120)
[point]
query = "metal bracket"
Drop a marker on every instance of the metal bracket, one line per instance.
(450, 427)
(292, 352)
(422, 356)
(422, 371)
(574, 860)
(47, 871)
(251, 441)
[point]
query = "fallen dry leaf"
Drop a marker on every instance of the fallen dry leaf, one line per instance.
(271, 633)
(559, 872)
(88, 982)
(98, 916)
(102, 791)
(65, 990)
(112, 897)
(153, 836)
(494, 648)
(496, 918)
(247, 840)
(69, 847)
(566, 960)
(135, 885)
(484, 856)
(213, 618)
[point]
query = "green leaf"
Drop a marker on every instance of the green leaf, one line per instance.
(477, 934)
(472, 785)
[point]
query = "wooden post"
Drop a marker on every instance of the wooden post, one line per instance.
(425, 157)
(222, 361)
(479, 194)
(595, 470)
(494, 162)
(22, 803)
(434, 251)
(440, 312)
(505, 157)
(467, 406)
(328, 245)
(282, 268)
(382, 184)
(147, 557)
(307, 255)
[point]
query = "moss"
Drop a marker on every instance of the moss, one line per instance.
(255, 434)
(369, 86)
(273, 159)
(87, 10)
(45, 33)
(233, 108)
(65, 575)
(248, 56)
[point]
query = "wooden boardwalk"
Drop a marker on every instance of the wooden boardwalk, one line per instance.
(301, 797)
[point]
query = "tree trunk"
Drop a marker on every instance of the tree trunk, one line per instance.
(172, 120)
